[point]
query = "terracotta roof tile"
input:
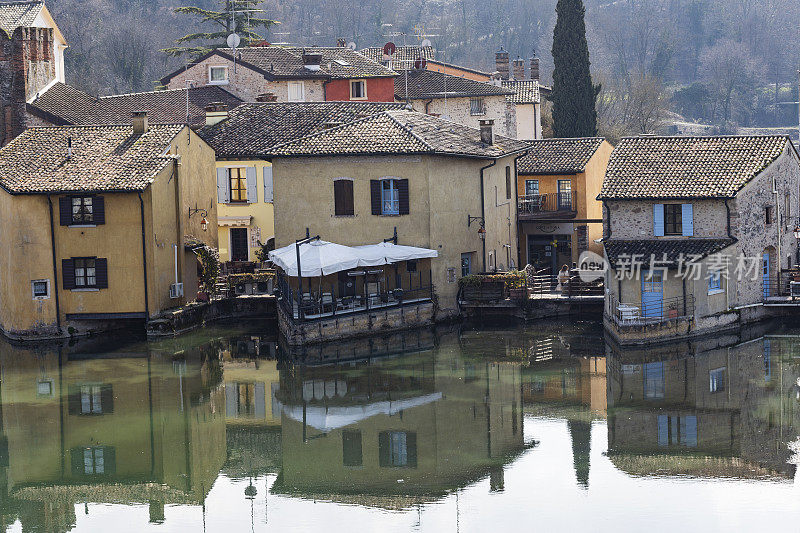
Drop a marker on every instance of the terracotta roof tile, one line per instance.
(404, 56)
(252, 129)
(559, 156)
(423, 84)
(400, 132)
(104, 158)
(63, 105)
(667, 252)
(525, 91)
(687, 167)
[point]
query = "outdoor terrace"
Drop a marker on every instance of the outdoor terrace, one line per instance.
(543, 206)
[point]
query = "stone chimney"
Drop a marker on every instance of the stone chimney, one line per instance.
(267, 97)
(519, 68)
(340, 43)
(139, 122)
(487, 136)
(501, 63)
(534, 68)
(216, 112)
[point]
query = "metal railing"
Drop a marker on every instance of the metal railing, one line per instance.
(649, 312)
(534, 204)
(778, 285)
(543, 284)
(324, 302)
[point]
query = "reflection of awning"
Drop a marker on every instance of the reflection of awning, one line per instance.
(329, 418)
(234, 220)
(320, 258)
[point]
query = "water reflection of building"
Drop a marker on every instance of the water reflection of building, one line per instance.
(390, 432)
(82, 426)
(718, 411)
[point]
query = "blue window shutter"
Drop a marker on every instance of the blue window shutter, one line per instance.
(252, 187)
(223, 187)
(658, 220)
(687, 220)
(267, 184)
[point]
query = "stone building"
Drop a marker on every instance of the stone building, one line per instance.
(31, 60)
(98, 225)
(289, 74)
(441, 185)
(698, 232)
(559, 215)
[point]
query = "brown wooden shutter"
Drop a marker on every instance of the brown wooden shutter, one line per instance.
(375, 196)
(74, 400)
(107, 399)
(98, 210)
(68, 273)
(101, 272)
(384, 459)
(411, 449)
(76, 461)
(508, 182)
(402, 191)
(65, 210)
(343, 197)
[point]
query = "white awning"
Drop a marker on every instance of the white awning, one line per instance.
(243, 220)
(317, 258)
(385, 253)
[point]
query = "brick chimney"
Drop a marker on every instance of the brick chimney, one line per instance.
(216, 112)
(267, 97)
(519, 68)
(534, 68)
(487, 136)
(140, 123)
(501, 63)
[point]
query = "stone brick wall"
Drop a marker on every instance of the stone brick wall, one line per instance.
(633, 219)
(458, 109)
(27, 65)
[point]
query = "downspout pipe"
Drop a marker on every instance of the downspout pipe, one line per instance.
(144, 259)
(55, 263)
(483, 211)
(516, 208)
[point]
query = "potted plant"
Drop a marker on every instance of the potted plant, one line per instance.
(672, 311)
(209, 262)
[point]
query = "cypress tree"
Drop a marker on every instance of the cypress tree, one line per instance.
(573, 97)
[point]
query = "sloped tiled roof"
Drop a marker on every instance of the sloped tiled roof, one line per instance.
(687, 167)
(402, 54)
(252, 129)
(63, 104)
(400, 132)
(525, 91)
(285, 62)
(104, 158)
(15, 15)
(667, 252)
(423, 84)
(559, 156)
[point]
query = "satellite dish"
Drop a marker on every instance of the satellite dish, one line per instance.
(425, 42)
(234, 40)
(351, 45)
(389, 49)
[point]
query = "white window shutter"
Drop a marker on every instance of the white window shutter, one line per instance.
(268, 184)
(223, 186)
(687, 220)
(252, 187)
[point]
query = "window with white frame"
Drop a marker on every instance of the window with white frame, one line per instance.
(476, 106)
(714, 282)
(358, 90)
(40, 289)
(297, 92)
(218, 75)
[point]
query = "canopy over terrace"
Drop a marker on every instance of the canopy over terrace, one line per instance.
(321, 258)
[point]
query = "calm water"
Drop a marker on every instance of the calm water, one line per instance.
(547, 428)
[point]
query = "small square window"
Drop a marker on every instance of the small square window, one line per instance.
(411, 265)
(358, 90)
(82, 210)
(769, 216)
(85, 273)
(44, 387)
(476, 107)
(218, 75)
(40, 289)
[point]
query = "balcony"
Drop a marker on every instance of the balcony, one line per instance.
(543, 206)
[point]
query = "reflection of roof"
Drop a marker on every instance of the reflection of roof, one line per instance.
(559, 156)
(702, 466)
(63, 104)
(251, 129)
(688, 167)
(423, 84)
(404, 132)
(666, 252)
(328, 418)
(109, 493)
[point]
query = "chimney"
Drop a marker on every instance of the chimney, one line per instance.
(501, 63)
(139, 121)
(266, 97)
(340, 43)
(535, 68)
(216, 112)
(519, 68)
(487, 137)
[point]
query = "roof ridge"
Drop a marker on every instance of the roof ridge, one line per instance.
(751, 136)
(405, 128)
(154, 91)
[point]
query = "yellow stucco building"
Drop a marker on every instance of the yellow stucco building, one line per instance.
(98, 222)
